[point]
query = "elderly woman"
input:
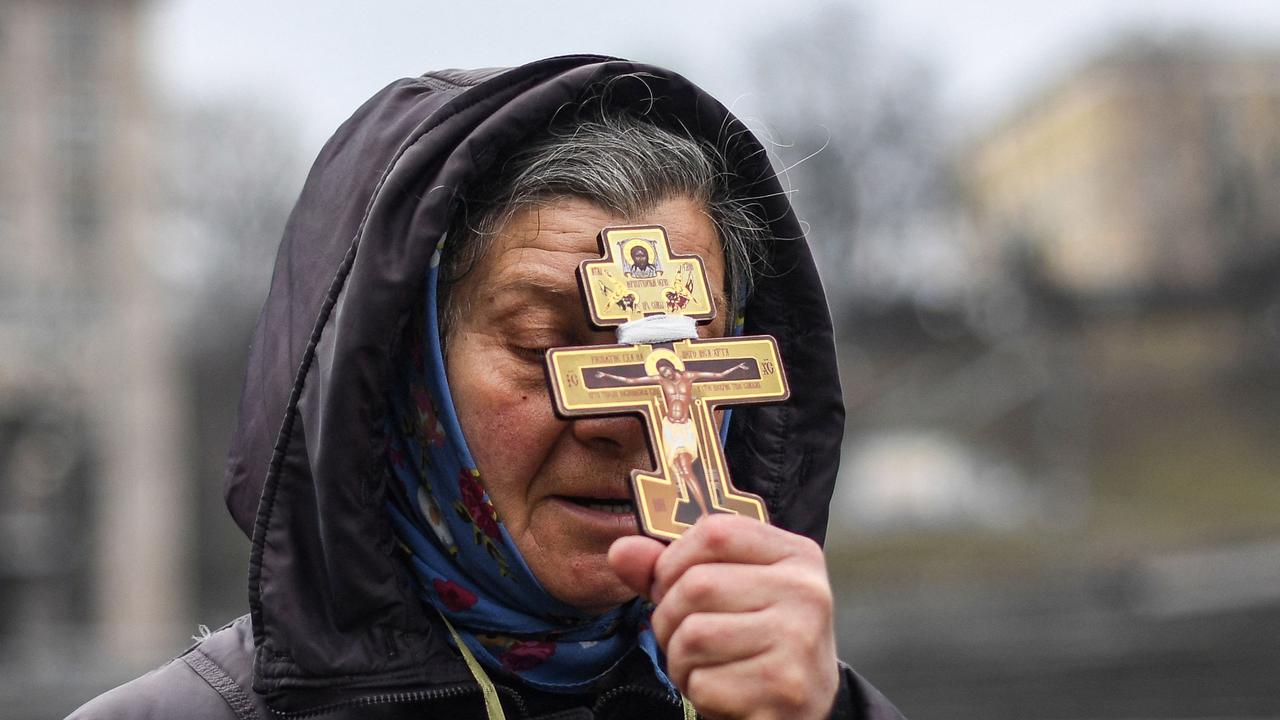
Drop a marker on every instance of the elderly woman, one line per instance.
(429, 538)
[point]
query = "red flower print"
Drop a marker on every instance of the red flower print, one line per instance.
(434, 434)
(526, 655)
(431, 432)
(454, 596)
(422, 399)
(481, 512)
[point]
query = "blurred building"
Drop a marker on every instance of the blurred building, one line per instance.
(1129, 221)
(1153, 168)
(1137, 204)
(93, 509)
(1073, 471)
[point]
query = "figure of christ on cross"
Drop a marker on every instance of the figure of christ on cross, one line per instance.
(677, 388)
(679, 436)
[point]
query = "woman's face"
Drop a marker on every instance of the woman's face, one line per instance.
(551, 480)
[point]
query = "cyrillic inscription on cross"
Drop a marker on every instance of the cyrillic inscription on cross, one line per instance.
(675, 387)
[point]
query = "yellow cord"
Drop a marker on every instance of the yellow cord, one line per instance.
(689, 712)
(492, 707)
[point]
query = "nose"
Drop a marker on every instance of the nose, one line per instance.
(618, 436)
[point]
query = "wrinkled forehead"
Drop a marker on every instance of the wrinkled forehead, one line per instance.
(536, 253)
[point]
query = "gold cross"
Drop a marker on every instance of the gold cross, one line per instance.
(674, 386)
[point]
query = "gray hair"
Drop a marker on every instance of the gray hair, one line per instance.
(623, 163)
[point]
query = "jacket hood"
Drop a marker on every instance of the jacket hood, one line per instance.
(331, 602)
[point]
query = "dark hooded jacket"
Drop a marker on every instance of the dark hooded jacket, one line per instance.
(335, 629)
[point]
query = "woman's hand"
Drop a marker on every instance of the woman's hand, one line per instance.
(744, 614)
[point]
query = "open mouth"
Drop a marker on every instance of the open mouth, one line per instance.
(614, 506)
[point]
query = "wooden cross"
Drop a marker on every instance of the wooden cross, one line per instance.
(674, 386)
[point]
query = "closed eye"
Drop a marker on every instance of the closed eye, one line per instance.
(532, 354)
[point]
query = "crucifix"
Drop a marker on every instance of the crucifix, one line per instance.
(675, 386)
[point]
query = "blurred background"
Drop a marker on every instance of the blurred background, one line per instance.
(1050, 234)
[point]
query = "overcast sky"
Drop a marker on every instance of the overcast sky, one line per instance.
(320, 58)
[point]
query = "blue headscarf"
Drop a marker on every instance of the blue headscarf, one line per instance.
(465, 562)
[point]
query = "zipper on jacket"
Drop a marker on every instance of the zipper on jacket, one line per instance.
(650, 692)
(455, 691)
(442, 693)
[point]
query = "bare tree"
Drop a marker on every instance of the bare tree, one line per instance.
(862, 129)
(231, 175)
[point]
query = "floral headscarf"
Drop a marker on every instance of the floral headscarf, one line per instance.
(466, 564)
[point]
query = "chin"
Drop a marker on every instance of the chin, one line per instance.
(593, 589)
(599, 604)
